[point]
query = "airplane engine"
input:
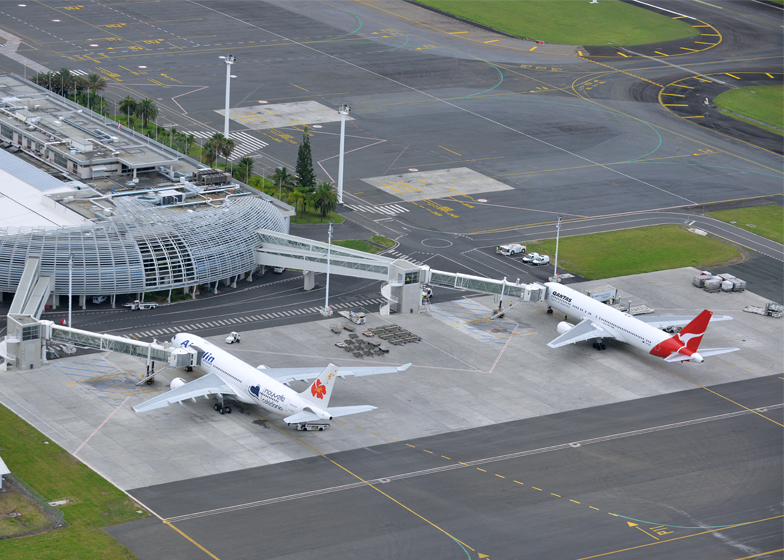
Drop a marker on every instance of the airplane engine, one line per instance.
(177, 382)
(262, 367)
(563, 326)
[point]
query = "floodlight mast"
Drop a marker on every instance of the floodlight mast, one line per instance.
(557, 239)
(344, 110)
(70, 286)
(229, 60)
(327, 311)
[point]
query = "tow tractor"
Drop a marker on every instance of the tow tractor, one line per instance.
(311, 426)
(357, 317)
(232, 338)
(140, 305)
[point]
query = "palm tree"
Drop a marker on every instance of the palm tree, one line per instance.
(246, 168)
(284, 181)
(325, 199)
(96, 82)
(147, 110)
(298, 196)
(128, 106)
(63, 79)
(209, 152)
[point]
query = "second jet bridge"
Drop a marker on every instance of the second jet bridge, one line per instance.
(404, 279)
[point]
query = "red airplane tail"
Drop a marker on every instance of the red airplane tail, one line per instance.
(681, 346)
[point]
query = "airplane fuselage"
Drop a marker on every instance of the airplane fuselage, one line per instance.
(249, 383)
(621, 326)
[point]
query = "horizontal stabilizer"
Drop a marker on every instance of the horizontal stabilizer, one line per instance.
(584, 330)
(664, 321)
(706, 353)
(336, 411)
(304, 416)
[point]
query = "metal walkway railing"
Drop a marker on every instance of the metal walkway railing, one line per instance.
(146, 350)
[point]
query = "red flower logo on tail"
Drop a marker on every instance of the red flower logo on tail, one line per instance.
(318, 389)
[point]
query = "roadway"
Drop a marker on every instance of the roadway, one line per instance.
(684, 475)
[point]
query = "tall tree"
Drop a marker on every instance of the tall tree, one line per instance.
(298, 196)
(246, 168)
(128, 106)
(283, 181)
(96, 82)
(226, 148)
(209, 152)
(62, 80)
(325, 199)
(306, 177)
(147, 110)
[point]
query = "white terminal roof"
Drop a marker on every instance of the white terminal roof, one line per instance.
(22, 189)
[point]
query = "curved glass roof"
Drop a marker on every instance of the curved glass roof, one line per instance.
(143, 248)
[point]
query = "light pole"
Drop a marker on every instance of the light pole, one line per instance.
(70, 284)
(229, 60)
(557, 238)
(344, 110)
(327, 312)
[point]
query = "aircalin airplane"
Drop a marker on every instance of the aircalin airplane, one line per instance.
(599, 321)
(225, 374)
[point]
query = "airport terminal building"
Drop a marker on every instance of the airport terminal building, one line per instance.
(109, 212)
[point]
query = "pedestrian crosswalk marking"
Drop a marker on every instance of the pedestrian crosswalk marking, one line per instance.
(388, 209)
(244, 143)
(220, 323)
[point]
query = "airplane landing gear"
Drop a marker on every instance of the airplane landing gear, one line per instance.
(221, 407)
(549, 310)
(599, 346)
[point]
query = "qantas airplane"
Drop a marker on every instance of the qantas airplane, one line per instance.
(265, 387)
(599, 321)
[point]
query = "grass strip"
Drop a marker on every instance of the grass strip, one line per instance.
(760, 105)
(767, 221)
(359, 245)
(570, 22)
(56, 474)
(635, 251)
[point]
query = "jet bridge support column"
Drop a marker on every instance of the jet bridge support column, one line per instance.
(310, 280)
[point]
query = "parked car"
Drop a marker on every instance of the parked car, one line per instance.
(540, 260)
(278, 270)
(530, 257)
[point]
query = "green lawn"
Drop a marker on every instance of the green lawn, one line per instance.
(760, 103)
(310, 217)
(359, 245)
(385, 241)
(767, 221)
(571, 22)
(56, 475)
(634, 251)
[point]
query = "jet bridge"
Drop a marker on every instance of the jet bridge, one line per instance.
(404, 279)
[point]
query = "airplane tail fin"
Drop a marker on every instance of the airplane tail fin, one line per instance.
(320, 390)
(683, 346)
(691, 335)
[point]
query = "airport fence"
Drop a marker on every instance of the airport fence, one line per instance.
(12, 524)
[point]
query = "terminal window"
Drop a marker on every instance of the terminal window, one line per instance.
(30, 333)
(412, 277)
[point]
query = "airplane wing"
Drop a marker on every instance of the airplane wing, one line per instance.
(663, 321)
(287, 375)
(584, 330)
(209, 384)
(334, 411)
